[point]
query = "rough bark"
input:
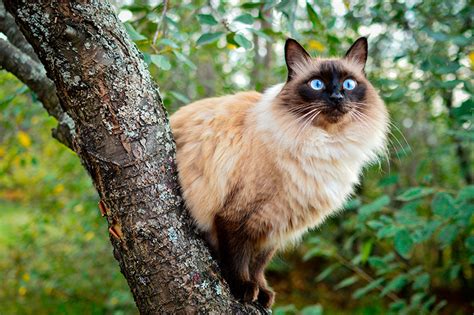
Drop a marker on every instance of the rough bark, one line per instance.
(123, 139)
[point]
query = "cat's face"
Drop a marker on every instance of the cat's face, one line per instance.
(328, 92)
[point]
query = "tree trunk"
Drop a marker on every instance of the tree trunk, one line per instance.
(120, 131)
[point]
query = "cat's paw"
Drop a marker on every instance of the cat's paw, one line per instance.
(249, 291)
(266, 297)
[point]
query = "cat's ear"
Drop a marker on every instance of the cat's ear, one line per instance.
(295, 56)
(358, 51)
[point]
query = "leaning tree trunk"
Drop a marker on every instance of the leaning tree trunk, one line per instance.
(112, 116)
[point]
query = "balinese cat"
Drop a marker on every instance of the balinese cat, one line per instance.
(258, 170)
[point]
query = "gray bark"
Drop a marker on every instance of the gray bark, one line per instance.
(123, 138)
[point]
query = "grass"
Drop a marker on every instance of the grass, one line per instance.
(13, 216)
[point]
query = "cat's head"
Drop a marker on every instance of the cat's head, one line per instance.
(329, 92)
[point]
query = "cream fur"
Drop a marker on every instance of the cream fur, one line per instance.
(247, 140)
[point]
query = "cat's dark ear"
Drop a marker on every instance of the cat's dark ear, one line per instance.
(358, 51)
(294, 55)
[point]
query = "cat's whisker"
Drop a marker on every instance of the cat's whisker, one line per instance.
(391, 124)
(305, 123)
(402, 148)
(308, 123)
(356, 115)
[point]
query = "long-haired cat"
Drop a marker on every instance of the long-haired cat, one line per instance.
(258, 170)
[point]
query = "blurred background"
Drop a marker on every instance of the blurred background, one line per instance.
(403, 245)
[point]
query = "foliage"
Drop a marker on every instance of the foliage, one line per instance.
(406, 240)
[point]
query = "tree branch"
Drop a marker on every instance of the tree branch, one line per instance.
(125, 142)
(34, 76)
(10, 29)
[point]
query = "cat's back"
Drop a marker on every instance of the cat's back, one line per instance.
(214, 112)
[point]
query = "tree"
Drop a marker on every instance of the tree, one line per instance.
(110, 113)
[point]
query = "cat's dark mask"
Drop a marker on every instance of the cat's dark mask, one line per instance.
(334, 86)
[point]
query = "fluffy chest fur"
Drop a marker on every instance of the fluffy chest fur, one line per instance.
(318, 169)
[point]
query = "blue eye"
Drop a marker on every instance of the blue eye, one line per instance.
(316, 84)
(349, 84)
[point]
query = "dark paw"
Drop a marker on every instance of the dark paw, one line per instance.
(246, 291)
(250, 292)
(266, 297)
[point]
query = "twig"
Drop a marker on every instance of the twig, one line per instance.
(364, 275)
(162, 22)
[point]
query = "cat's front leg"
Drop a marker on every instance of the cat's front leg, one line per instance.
(235, 252)
(266, 296)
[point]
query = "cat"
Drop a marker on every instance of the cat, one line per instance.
(258, 170)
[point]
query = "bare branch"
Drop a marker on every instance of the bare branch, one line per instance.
(11, 30)
(34, 76)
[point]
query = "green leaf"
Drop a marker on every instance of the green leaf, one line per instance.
(443, 205)
(364, 290)
(366, 250)
(244, 18)
(398, 306)
(438, 36)
(185, 60)
(252, 5)
(313, 252)
(403, 243)
(422, 281)
(466, 193)
(427, 305)
(208, 38)
(326, 272)
(448, 234)
(375, 224)
(469, 242)
(318, 251)
(242, 41)
(207, 19)
(281, 5)
(414, 270)
(407, 218)
(168, 42)
(424, 232)
(377, 262)
(352, 204)
(395, 284)
(374, 206)
(464, 112)
(439, 306)
(389, 180)
(313, 16)
(161, 62)
(454, 272)
(230, 39)
(312, 310)
(346, 282)
(285, 310)
(134, 35)
(447, 67)
(146, 58)
(387, 231)
(180, 97)
(414, 193)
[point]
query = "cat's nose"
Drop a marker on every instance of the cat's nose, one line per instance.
(336, 96)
